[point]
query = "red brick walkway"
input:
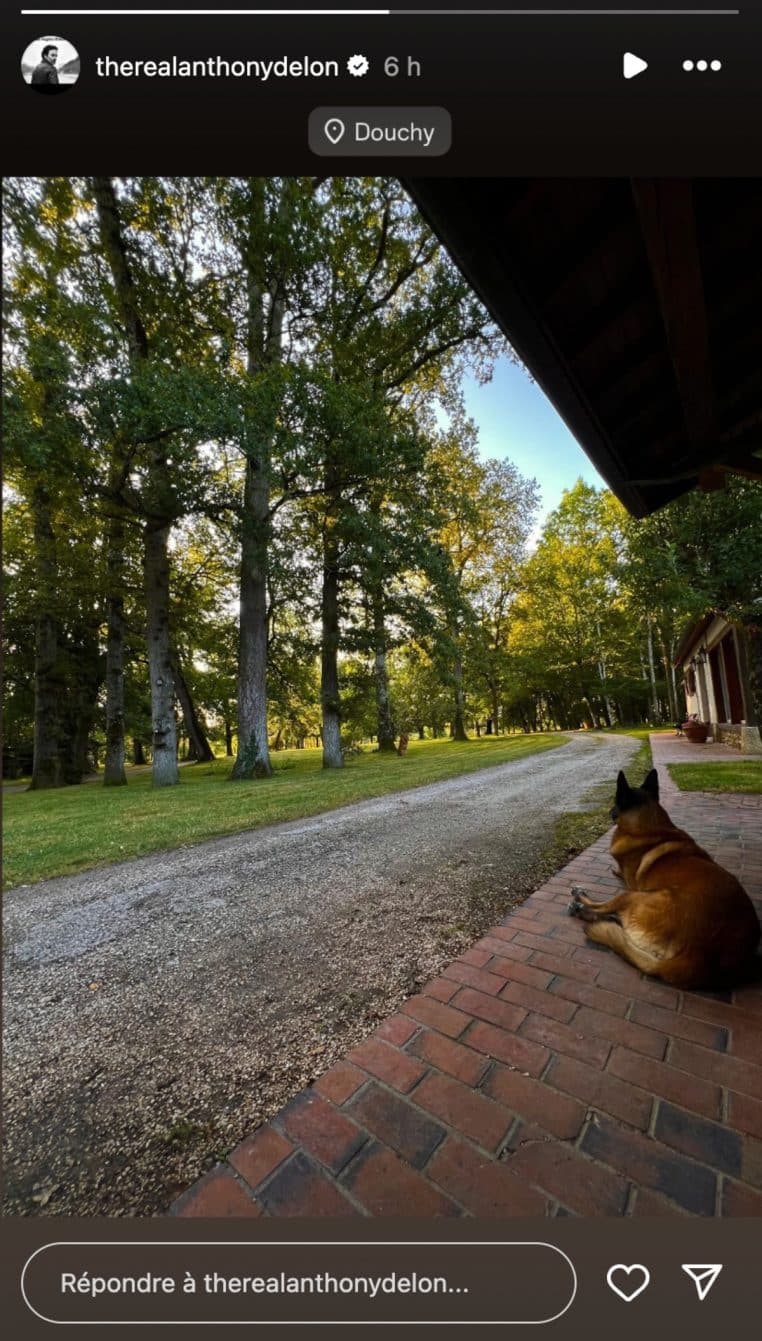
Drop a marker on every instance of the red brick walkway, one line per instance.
(539, 1075)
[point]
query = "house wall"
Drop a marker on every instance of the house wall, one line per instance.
(707, 703)
(745, 738)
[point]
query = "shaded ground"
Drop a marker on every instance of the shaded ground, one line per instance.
(158, 1009)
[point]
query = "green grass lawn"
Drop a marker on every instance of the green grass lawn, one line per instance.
(639, 732)
(744, 776)
(56, 832)
(575, 831)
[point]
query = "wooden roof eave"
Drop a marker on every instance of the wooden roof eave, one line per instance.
(501, 293)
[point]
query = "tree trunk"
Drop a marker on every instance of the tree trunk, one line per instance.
(48, 683)
(679, 713)
(164, 729)
(459, 719)
(138, 753)
(228, 738)
(329, 658)
(156, 496)
(386, 728)
(264, 339)
(77, 712)
(608, 710)
(199, 748)
(652, 674)
(114, 774)
(671, 697)
(253, 760)
(158, 636)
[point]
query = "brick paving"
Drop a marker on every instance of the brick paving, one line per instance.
(674, 749)
(538, 1075)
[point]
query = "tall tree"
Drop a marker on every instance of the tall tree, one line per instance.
(48, 336)
(158, 492)
(172, 399)
(570, 619)
(487, 512)
(267, 237)
(396, 314)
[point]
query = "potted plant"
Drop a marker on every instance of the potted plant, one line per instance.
(696, 731)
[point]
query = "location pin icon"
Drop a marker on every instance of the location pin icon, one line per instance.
(334, 129)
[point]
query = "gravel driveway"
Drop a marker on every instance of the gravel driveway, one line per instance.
(157, 1010)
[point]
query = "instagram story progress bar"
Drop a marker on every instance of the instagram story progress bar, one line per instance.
(397, 12)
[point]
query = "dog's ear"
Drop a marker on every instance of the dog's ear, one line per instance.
(651, 784)
(622, 789)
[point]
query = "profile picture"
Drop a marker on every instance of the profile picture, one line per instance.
(50, 65)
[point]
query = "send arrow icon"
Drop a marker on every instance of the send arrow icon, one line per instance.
(632, 65)
(703, 1276)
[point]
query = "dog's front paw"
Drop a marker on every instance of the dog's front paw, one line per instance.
(576, 902)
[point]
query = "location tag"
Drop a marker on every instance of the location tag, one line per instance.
(334, 129)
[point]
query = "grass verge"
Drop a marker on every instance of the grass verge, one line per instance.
(639, 732)
(744, 776)
(72, 828)
(574, 832)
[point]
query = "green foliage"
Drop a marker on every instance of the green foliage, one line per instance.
(571, 625)
(703, 552)
(446, 603)
(421, 699)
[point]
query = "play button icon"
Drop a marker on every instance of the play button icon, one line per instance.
(632, 65)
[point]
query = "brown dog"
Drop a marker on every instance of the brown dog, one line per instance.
(683, 918)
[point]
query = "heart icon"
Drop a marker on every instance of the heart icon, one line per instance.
(631, 1286)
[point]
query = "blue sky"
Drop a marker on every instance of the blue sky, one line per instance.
(515, 419)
